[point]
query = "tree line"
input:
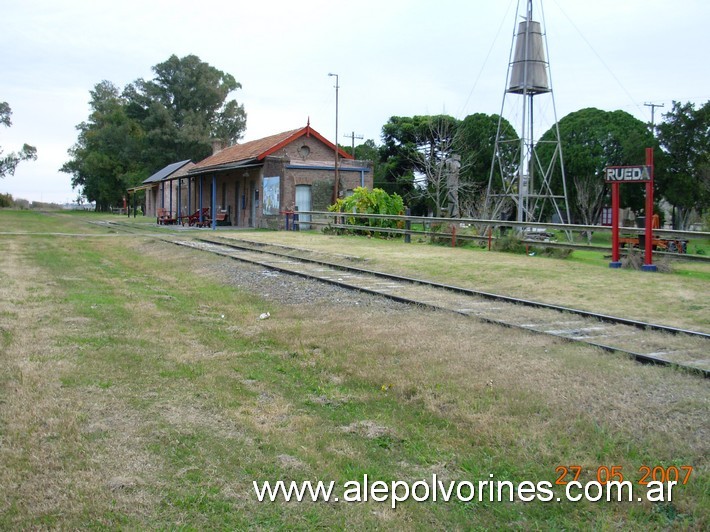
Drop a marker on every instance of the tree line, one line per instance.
(437, 163)
(414, 160)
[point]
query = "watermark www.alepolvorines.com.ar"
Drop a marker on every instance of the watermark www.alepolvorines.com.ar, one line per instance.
(436, 490)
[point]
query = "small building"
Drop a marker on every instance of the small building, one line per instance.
(161, 189)
(250, 184)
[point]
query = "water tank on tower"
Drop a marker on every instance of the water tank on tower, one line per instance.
(529, 68)
(521, 175)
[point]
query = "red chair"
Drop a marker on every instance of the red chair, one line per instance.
(194, 218)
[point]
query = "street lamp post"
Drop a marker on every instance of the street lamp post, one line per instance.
(337, 175)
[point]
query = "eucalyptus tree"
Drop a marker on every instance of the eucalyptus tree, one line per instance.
(135, 132)
(184, 107)
(106, 158)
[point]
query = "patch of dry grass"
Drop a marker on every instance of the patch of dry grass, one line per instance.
(35, 413)
(127, 400)
(455, 366)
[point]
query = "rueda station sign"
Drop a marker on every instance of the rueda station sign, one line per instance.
(632, 174)
(628, 174)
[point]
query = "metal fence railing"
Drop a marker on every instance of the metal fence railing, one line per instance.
(459, 229)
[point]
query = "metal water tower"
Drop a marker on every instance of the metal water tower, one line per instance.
(518, 178)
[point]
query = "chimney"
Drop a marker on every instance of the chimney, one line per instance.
(217, 146)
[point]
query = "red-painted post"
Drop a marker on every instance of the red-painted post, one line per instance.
(453, 236)
(648, 265)
(615, 263)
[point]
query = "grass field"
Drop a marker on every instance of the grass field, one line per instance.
(138, 389)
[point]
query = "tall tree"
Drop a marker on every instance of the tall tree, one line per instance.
(420, 150)
(451, 158)
(591, 140)
(436, 159)
(9, 162)
(475, 141)
(184, 107)
(369, 151)
(684, 136)
(106, 158)
(399, 142)
(133, 133)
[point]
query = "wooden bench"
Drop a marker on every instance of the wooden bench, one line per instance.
(164, 216)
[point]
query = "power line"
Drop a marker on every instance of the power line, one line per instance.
(485, 61)
(599, 57)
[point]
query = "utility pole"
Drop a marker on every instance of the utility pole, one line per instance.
(352, 137)
(653, 114)
(337, 174)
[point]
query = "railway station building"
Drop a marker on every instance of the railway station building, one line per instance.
(252, 184)
(161, 188)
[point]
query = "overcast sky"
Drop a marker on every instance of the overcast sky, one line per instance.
(393, 57)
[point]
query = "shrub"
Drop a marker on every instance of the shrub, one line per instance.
(375, 201)
(6, 200)
(555, 253)
(510, 243)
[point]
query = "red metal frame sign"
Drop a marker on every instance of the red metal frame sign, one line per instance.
(632, 174)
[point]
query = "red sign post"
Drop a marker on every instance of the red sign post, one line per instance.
(632, 174)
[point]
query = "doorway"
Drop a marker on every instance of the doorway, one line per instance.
(254, 204)
(303, 203)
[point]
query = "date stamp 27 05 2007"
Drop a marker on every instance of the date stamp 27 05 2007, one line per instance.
(605, 474)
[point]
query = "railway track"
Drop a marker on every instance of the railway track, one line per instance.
(645, 342)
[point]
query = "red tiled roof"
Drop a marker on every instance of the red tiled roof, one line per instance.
(260, 148)
(243, 152)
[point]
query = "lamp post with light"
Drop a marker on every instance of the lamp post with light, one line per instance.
(337, 176)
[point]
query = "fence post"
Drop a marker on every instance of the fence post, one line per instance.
(453, 235)
(407, 227)
(296, 224)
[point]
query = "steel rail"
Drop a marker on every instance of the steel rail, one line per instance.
(468, 291)
(685, 257)
(640, 357)
(461, 290)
